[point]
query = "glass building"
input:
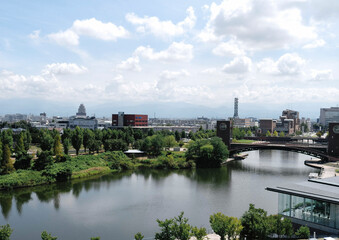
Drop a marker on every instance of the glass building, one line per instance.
(314, 203)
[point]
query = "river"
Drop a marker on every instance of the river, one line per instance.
(116, 206)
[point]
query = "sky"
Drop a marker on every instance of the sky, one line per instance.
(169, 58)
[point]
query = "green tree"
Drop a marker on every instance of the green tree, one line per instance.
(19, 145)
(150, 132)
(199, 233)
(224, 225)
(279, 225)
(303, 232)
(5, 232)
(275, 133)
(7, 138)
(27, 138)
(319, 134)
(23, 161)
(254, 221)
(234, 227)
(88, 136)
(45, 158)
(77, 137)
(95, 238)
(94, 145)
(57, 145)
(47, 236)
(169, 141)
(181, 229)
(177, 135)
(282, 134)
(183, 134)
(114, 145)
(166, 230)
(138, 236)
(268, 134)
(219, 224)
(249, 133)
(157, 144)
(66, 143)
(7, 164)
(46, 141)
(191, 135)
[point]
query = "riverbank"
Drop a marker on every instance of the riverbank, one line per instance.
(326, 169)
(84, 166)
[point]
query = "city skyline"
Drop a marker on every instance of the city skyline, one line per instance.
(175, 59)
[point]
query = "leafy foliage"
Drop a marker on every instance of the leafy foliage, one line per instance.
(47, 236)
(5, 232)
(254, 221)
(303, 232)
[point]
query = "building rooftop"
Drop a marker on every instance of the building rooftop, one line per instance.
(326, 189)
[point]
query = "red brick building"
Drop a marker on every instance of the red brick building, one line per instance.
(135, 120)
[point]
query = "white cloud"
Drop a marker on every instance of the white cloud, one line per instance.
(167, 79)
(163, 28)
(315, 44)
(34, 35)
(268, 65)
(290, 63)
(322, 75)
(238, 65)
(258, 24)
(287, 64)
(131, 63)
(66, 38)
(170, 75)
(97, 29)
(230, 48)
(91, 28)
(177, 51)
(64, 68)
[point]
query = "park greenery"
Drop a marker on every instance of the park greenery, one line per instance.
(81, 152)
(254, 224)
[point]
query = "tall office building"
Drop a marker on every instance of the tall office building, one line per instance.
(328, 115)
(236, 115)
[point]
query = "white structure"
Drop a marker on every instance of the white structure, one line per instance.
(91, 123)
(328, 115)
(81, 111)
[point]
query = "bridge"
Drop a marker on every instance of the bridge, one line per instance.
(325, 149)
(317, 151)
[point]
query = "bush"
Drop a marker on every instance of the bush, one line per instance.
(5, 232)
(303, 232)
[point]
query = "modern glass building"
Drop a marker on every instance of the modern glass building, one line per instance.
(314, 203)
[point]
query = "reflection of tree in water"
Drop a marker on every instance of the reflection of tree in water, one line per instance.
(216, 176)
(21, 199)
(6, 204)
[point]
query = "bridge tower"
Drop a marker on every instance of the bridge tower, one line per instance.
(224, 132)
(333, 140)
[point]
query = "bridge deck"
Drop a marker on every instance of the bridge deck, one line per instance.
(319, 151)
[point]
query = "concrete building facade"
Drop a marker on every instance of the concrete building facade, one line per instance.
(328, 115)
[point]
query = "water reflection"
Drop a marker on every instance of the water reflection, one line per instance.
(267, 163)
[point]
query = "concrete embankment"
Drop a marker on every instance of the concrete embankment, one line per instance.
(326, 170)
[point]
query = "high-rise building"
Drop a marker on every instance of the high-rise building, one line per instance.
(236, 115)
(291, 114)
(329, 115)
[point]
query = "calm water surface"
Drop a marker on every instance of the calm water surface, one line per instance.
(117, 206)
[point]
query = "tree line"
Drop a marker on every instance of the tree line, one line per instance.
(55, 147)
(253, 224)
